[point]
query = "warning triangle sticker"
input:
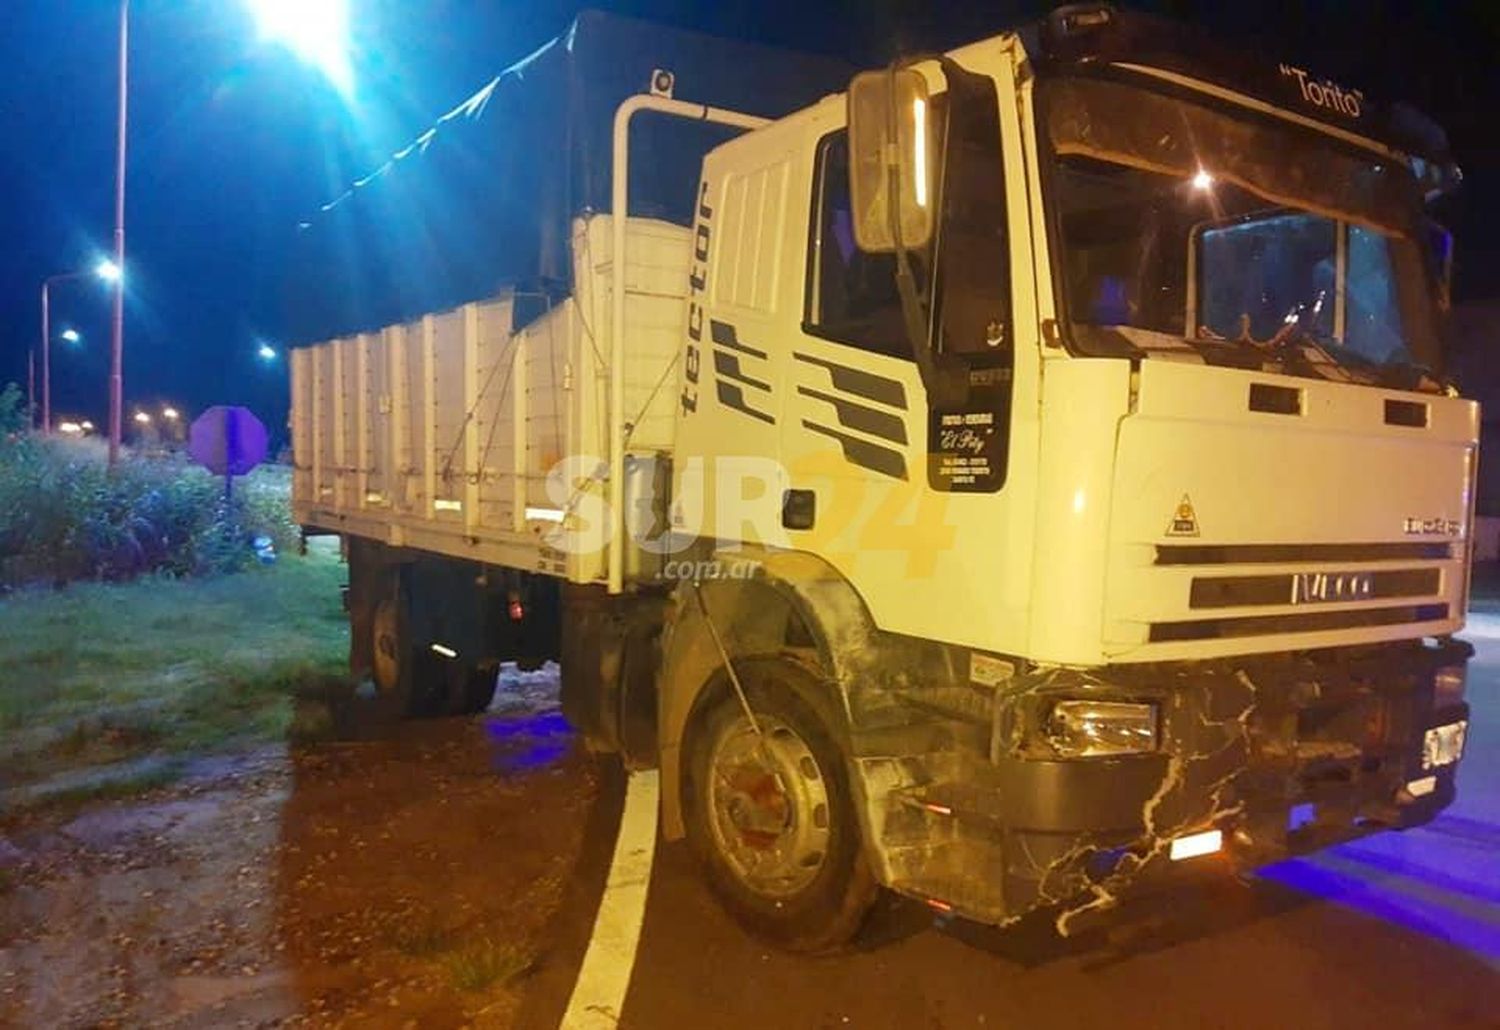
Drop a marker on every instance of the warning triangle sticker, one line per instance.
(1184, 520)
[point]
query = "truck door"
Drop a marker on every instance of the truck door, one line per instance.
(914, 501)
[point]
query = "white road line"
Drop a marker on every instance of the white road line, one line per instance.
(604, 977)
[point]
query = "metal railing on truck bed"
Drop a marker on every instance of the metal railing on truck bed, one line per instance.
(441, 434)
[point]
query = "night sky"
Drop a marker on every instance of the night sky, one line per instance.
(233, 142)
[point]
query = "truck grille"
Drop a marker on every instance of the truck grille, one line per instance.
(1252, 591)
(1300, 622)
(1289, 554)
(1232, 593)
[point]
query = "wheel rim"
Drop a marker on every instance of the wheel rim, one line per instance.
(768, 800)
(386, 639)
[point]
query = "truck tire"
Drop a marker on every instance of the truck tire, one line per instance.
(471, 688)
(772, 819)
(408, 684)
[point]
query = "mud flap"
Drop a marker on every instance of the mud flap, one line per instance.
(610, 657)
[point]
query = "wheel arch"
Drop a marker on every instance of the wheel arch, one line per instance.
(793, 601)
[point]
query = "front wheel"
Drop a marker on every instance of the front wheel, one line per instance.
(770, 814)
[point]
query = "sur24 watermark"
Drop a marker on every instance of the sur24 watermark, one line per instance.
(728, 501)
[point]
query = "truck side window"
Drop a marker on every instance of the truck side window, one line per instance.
(968, 443)
(851, 296)
(973, 280)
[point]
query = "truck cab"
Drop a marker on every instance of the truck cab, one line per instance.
(1115, 494)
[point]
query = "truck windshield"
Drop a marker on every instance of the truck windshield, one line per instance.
(1193, 234)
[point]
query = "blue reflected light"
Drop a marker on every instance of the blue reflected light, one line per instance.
(530, 742)
(1438, 880)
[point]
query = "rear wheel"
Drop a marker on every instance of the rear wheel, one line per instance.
(408, 684)
(770, 814)
(471, 688)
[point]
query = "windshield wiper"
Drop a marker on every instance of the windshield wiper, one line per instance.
(1236, 353)
(1291, 322)
(1313, 349)
(1241, 351)
(1307, 349)
(1402, 376)
(1291, 350)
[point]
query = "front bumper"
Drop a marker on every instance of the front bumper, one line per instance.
(1281, 755)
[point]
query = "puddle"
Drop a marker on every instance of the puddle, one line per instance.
(528, 743)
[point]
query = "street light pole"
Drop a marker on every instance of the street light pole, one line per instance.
(334, 63)
(117, 331)
(47, 346)
(46, 361)
(69, 335)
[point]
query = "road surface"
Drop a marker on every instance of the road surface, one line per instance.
(1397, 930)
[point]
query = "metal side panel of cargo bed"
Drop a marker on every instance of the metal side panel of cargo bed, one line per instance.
(445, 434)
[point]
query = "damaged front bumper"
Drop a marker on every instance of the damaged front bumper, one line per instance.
(1254, 760)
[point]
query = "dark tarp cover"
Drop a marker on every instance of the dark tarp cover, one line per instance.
(484, 197)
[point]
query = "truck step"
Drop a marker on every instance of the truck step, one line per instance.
(957, 877)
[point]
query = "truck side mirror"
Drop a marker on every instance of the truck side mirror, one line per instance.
(891, 180)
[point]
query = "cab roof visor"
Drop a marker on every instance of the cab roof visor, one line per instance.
(1097, 36)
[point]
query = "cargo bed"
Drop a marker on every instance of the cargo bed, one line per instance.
(441, 433)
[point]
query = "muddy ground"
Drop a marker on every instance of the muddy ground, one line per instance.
(383, 881)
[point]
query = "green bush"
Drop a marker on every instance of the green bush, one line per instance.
(64, 515)
(13, 416)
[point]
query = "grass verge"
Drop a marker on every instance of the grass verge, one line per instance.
(110, 788)
(101, 673)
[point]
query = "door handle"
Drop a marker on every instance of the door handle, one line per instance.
(799, 509)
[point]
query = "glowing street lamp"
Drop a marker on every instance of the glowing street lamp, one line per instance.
(109, 271)
(142, 418)
(317, 33)
(170, 414)
(70, 336)
(266, 352)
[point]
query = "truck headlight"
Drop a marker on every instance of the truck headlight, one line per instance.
(1448, 686)
(1085, 729)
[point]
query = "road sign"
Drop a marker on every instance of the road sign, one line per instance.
(227, 441)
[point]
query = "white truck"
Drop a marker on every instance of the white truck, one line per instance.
(1030, 476)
